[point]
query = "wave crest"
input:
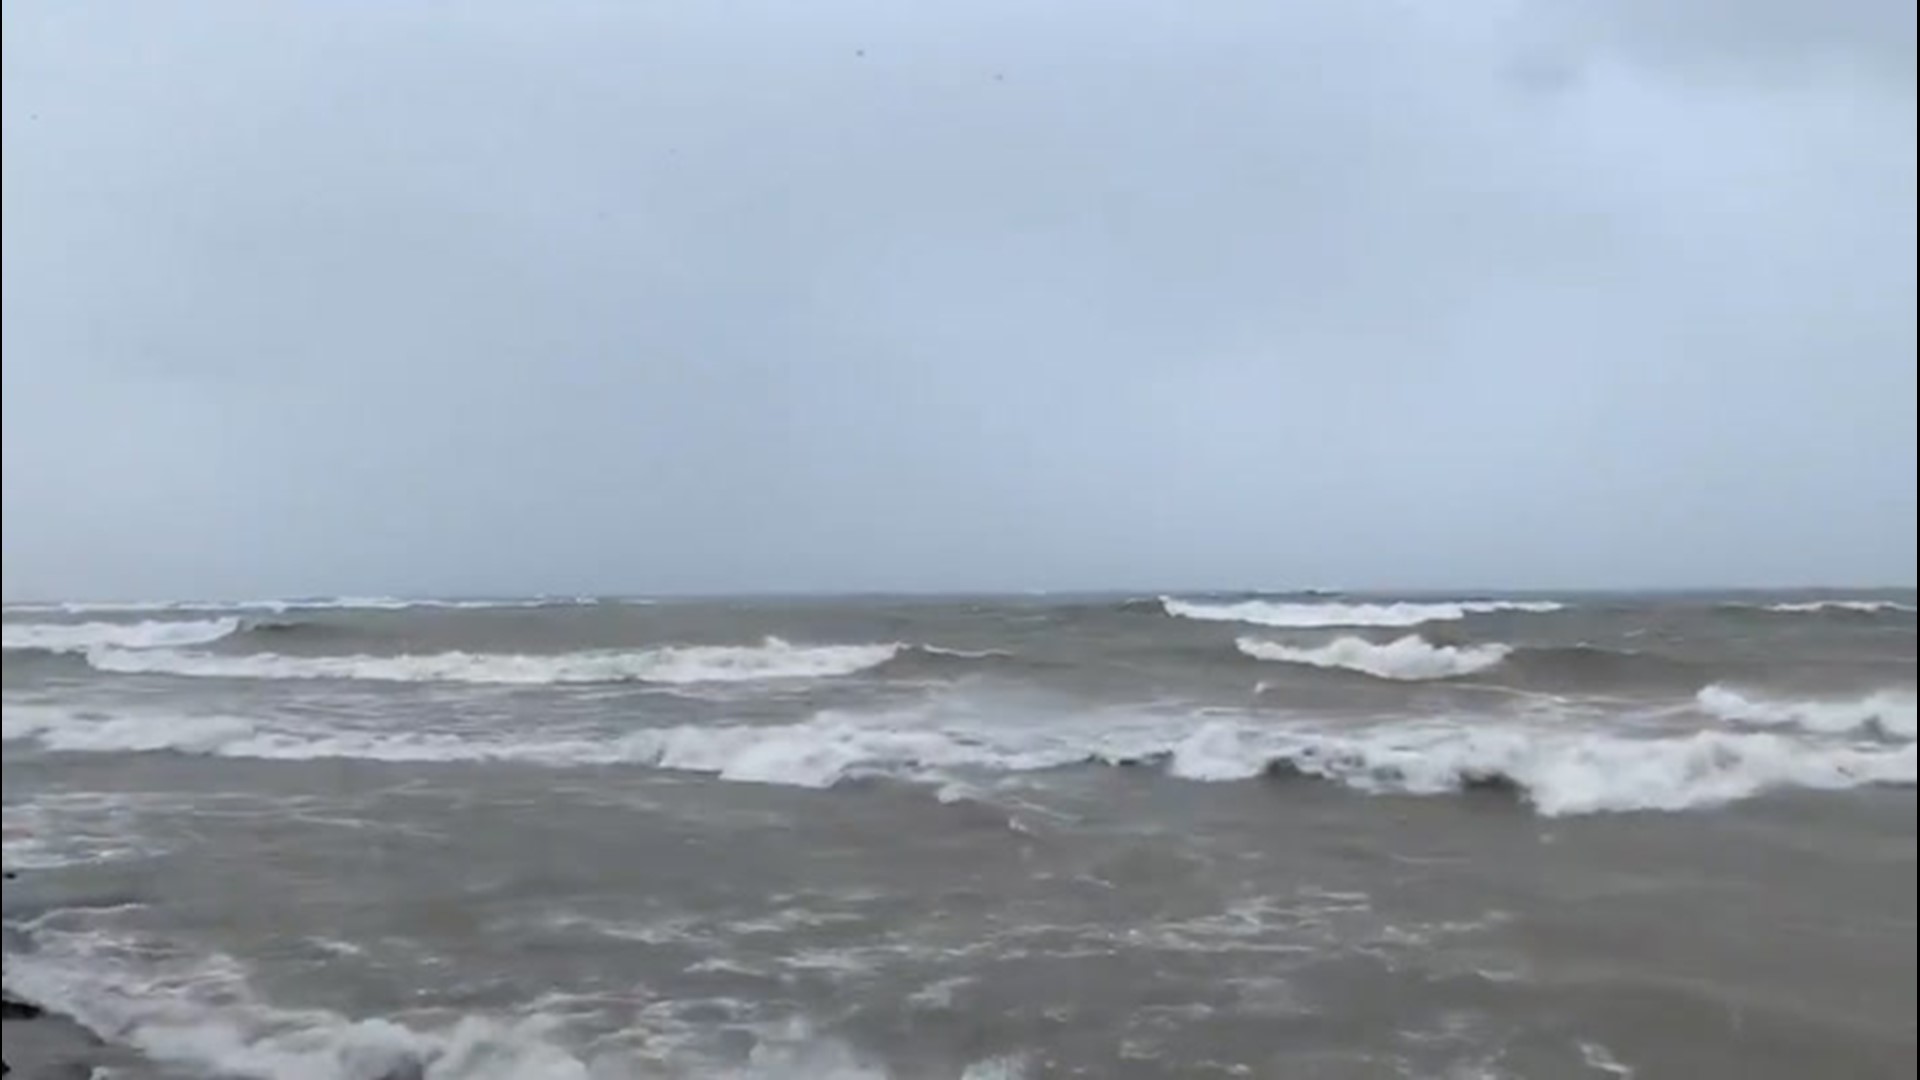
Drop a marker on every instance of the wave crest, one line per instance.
(773, 659)
(84, 731)
(1889, 713)
(1309, 616)
(149, 634)
(1556, 772)
(1410, 658)
(282, 606)
(1865, 607)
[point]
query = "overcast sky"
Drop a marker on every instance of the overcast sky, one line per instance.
(336, 297)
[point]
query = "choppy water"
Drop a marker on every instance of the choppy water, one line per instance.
(1293, 836)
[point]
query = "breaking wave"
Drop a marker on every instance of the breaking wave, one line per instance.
(773, 659)
(1869, 607)
(816, 753)
(1888, 713)
(1410, 658)
(1556, 772)
(150, 634)
(1308, 616)
(90, 731)
(281, 606)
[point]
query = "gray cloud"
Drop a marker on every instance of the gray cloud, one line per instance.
(365, 298)
(1780, 41)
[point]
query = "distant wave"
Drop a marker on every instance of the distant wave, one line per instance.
(1556, 772)
(281, 606)
(1889, 713)
(1410, 658)
(1307, 616)
(772, 659)
(393, 603)
(1867, 607)
(80, 637)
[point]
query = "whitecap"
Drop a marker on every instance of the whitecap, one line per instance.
(1307, 616)
(148, 634)
(1410, 658)
(772, 659)
(1890, 713)
(1815, 606)
(1564, 773)
(281, 606)
(1556, 771)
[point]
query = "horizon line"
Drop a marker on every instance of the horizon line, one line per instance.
(558, 599)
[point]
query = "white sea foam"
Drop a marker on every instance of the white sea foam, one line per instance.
(1011, 1067)
(74, 828)
(280, 606)
(815, 753)
(1410, 658)
(150, 634)
(1557, 771)
(83, 730)
(136, 733)
(772, 659)
(1306, 616)
(1600, 1059)
(199, 1013)
(103, 607)
(1812, 606)
(1888, 712)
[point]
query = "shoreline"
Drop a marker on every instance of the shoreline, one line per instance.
(38, 1044)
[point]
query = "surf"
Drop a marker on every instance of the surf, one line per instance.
(1407, 659)
(146, 634)
(1332, 615)
(771, 660)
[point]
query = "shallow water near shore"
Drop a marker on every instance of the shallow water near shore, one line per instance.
(1301, 836)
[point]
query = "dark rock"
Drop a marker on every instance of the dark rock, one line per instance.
(1281, 768)
(387, 1066)
(1390, 774)
(1309, 764)
(63, 1070)
(44, 1045)
(1491, 781)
